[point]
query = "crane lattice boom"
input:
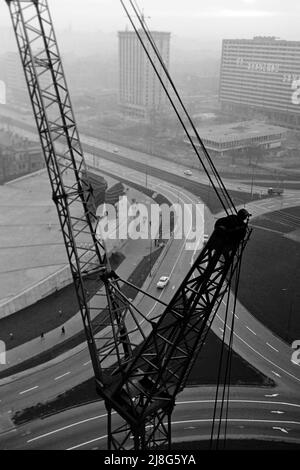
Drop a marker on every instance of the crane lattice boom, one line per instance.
(140, 363)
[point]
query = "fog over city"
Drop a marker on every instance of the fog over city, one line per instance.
(193, 18)
(150, 227)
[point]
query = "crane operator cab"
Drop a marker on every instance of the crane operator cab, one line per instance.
(232, 228)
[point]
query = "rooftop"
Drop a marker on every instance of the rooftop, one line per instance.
(265, 40)
(239, 130)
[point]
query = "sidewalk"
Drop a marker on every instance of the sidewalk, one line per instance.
(49, 314)
(134, 252)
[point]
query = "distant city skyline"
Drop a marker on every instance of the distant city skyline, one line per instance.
(213, 20)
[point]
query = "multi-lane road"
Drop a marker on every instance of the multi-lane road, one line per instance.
(253, 412)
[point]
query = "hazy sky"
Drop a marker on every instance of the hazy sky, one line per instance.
(213, 19)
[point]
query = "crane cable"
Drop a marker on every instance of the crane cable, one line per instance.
(227, 377)
(224, 192)
(230, 346)
(220, 368)
(228, 365)
(156, 51)
(231, 207)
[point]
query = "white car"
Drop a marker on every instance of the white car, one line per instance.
(188, 173)
(163, 281)
(116, 150)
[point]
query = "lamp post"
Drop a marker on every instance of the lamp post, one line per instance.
(150, 274)
(252, 180)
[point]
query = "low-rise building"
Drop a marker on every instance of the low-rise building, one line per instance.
(18, 156)
(223, 138)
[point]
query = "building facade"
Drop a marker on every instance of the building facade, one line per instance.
(140, 92)
(18, 156)
(16, 87)
(261, 77)
(228, 138)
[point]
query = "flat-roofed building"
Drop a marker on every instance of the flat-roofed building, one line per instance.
(140, 92)
(220, 139)
(261, 76)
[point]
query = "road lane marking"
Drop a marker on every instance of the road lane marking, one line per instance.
(259, 354)
(88, 442)
(29, 390)
(273, 395)
(67, 427)
(260, 402)
(251, 330)
(270, 345)
(184, 402)
(61, 376)
(231, 420)
(275, 373)
(277, 412)
(86, 363)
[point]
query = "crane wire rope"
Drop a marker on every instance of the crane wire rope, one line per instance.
(225, 194)
(230, 346)
(143, 23)
(228, 205)
(220, 368)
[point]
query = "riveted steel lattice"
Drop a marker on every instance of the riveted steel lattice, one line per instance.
(140, 362)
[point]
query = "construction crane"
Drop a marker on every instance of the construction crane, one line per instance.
(140, 362)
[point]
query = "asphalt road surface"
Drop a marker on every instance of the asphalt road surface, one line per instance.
(255, 412)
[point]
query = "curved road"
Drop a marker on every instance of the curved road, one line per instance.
(251, 415)
(252, 340)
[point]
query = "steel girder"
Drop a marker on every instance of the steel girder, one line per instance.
(138, 372)
(145, 387)
(72, 193)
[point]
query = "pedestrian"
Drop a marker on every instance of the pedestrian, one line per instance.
(42, 335)
(60, 313)
(11, 336)
(63, 331)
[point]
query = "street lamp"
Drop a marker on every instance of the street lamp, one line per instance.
(150, 274)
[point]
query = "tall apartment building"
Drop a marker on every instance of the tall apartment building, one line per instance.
(140, 92)
(262, 76)
(14, 79)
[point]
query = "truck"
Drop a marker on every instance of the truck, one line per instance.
(275, 191)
